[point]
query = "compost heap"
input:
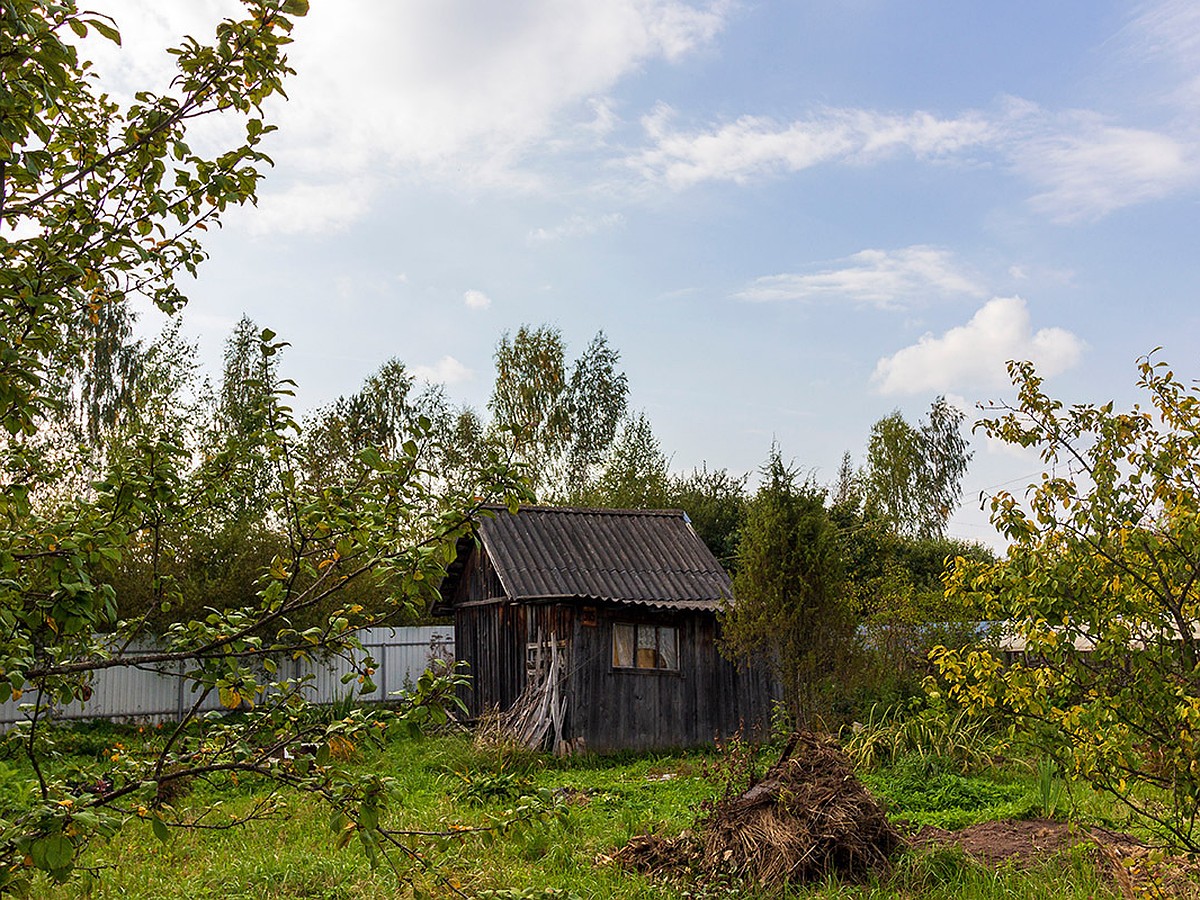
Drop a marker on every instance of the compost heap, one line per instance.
(807, 818)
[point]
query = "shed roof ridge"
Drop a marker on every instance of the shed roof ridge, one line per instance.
(585, 567)
(590, 510)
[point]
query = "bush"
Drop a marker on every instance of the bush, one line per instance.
(1098, 588)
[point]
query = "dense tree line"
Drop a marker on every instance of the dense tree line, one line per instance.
(840, 586)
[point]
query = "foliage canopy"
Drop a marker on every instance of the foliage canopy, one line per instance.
(562, 424)
(791, 607)
(1100, 587)
(913, 476)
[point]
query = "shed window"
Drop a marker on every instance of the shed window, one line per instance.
(645, 647)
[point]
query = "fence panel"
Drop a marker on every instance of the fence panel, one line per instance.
(156, 694)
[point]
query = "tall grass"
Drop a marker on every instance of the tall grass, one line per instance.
(891, 733)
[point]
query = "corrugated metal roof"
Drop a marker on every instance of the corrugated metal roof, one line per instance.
(649, 557)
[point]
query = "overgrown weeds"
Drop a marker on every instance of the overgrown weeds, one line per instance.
(890, 733)
(484, 786)
(733, 769)
(568, 815)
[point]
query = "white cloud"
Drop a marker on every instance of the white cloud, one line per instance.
(1082, 166)
(449, 89)
(464, 89)
(877, 277)
(1086, 169)
(754, 146)
(605, 117)
(467, 94)
(1037, 274)
(974, 355)
(476, 300)
(576, 226)
(447, 370)
(1169, 30)
(306, 208)
(209, 322)
(147, 30)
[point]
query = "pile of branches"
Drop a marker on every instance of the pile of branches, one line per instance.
(808, 818)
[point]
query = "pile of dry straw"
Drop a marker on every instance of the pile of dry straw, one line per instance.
(807, 818)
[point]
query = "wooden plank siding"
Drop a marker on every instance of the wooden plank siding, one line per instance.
(608, 708)
(708, 698)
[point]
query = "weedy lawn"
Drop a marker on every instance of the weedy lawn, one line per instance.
(560, 820)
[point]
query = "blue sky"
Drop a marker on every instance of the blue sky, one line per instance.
(790, 218)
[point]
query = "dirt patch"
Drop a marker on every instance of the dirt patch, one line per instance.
(806, 819)
(1018, 843)
(1136, 869)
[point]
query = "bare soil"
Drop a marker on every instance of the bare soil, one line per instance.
(1136, 869)
(1021, 844)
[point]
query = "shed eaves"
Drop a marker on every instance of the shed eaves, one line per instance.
(649, 557)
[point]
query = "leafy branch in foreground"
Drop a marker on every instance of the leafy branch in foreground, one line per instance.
(101, 202)
(395, 517)
(1100, 588)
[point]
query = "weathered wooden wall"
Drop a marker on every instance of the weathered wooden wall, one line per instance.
(707, 698)
(491, 641)
(614, 709)
(493, 638)
(489, 636)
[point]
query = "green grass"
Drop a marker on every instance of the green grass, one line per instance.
(923, 790)
(590, 807)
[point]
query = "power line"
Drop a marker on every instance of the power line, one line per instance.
(1025, 478)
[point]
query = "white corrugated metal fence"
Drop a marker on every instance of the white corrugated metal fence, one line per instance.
(401, 655)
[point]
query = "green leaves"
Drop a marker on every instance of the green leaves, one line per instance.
(129, 512)
(561, 426)
(107, 29)
(1098, 592)
(102, 201)
(54, 854)
(790, 587)
(913, 476)
(159, 827)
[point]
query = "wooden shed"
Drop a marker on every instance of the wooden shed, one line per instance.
(596, 629)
